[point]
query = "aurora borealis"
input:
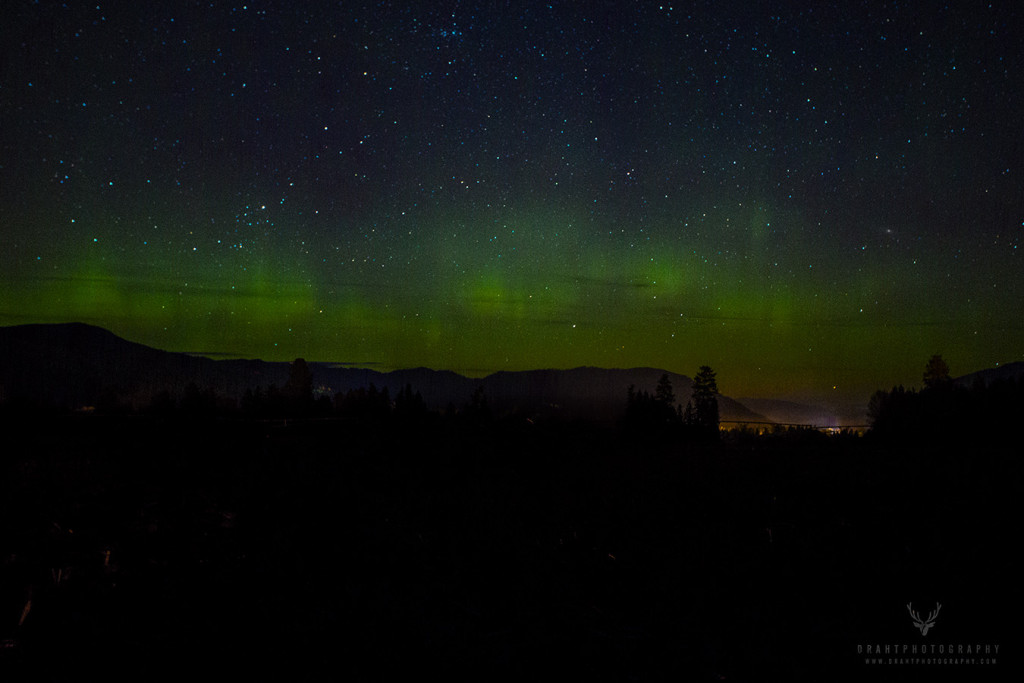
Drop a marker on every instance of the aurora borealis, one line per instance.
(810, 200)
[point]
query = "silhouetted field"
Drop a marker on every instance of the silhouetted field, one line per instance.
(373, 550)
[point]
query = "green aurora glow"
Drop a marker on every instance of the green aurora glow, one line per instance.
(807, 250)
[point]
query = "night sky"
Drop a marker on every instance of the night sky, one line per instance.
(811, 201)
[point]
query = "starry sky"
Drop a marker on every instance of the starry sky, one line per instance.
(812, 198)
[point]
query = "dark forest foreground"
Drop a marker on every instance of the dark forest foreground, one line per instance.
(134, 547)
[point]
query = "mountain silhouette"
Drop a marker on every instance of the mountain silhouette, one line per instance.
(74, 364)
(1009, 371)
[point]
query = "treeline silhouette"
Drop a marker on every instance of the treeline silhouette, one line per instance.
(296, 399)
(653, 417)
(944, 411)
(659, 416)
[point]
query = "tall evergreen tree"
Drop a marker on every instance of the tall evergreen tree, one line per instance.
(689, 417)
(663, 393)
(936, 373)
(705, 400)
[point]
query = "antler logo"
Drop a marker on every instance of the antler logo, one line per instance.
(924, 624)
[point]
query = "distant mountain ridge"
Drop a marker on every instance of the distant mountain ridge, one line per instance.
(793, 413)
(789, 412)
(74, 364)
(1014, 371)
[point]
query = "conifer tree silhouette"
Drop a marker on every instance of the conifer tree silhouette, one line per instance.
(705, 400)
